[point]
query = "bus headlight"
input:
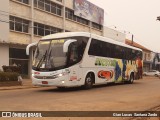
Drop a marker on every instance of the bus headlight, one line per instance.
(60, 75)
(63, 82)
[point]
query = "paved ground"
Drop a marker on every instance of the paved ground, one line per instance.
(27, 83)
(142, 95)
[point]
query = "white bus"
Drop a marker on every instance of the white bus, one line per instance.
(83, 59)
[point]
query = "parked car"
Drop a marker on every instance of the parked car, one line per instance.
(152, 73)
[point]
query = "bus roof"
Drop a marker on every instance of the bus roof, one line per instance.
(65, 35)
(86, 34)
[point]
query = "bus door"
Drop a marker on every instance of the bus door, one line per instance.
(73, 59)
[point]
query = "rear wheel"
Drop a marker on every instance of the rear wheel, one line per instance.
(156, 75)
(144, 75)
(89, 81)
(131, 80)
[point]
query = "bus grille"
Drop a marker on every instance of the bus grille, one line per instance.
(45, 77)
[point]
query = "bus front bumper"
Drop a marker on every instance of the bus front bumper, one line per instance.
(58, 82)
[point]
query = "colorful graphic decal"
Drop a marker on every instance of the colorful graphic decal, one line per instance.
(105, 62)
(118, 69)
(105, 74)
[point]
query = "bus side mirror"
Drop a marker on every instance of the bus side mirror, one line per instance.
(29, 46)
(67, 43)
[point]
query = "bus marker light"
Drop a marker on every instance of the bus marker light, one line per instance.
(63, 82)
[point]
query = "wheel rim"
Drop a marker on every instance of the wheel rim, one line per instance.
(132, 79)
(89, 81)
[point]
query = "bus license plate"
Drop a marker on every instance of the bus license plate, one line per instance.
(45, 82)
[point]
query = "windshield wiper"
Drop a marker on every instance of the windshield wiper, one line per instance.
(48, 61)
(50, 54)
(42, 59)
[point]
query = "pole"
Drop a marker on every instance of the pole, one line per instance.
(64, 16)
(132, 38)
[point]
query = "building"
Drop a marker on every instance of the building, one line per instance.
(26, 21)
(156, 61)
(114, 34)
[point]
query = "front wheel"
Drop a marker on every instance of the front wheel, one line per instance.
(61, 88)
(88, 81)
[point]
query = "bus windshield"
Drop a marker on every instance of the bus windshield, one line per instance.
(49, 54)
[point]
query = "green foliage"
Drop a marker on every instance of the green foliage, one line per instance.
(16, 69)
(8, 76)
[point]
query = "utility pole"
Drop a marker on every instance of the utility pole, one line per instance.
(132, 38)
(64, 16)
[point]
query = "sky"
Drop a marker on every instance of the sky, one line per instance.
(137, 17)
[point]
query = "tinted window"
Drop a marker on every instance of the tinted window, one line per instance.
(104, 49)
(17, 53)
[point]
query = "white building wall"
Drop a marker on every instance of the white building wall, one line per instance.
(19, 9)
(113, 34)
(69, 4)
(4, 32)
(4, 55)
(4, 20)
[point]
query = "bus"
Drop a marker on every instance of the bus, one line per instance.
(83, 59)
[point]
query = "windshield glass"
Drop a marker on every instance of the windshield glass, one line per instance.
(49, 54)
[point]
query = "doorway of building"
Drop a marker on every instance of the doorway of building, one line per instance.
(18, 57)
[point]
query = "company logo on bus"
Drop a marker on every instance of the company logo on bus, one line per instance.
(105, 74)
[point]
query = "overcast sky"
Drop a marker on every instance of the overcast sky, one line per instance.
(135, 16)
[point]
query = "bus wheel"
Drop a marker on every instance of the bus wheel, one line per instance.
(131, 80)
(61, 88)
(89, 81)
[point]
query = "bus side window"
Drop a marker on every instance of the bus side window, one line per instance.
(73, 54)
(81, 48)
(93, 48)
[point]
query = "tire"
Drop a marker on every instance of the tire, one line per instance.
(61, 88)
(156, 75)
(89, 81)
(131, 80)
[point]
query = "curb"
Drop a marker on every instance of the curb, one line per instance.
(18, 87)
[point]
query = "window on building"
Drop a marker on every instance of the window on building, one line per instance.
(41, 4)
(97, 26)
(42, 30)
(70, 15)
(24, 1)
(48, 6)
(19, 24)
(59, 0)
